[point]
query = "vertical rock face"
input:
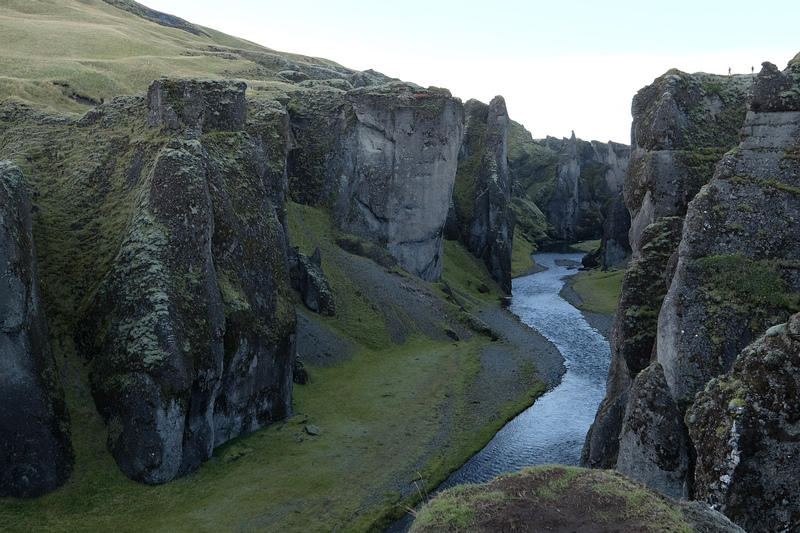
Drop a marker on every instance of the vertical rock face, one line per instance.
(615, 244)
(588, 178)
(481, 215)
(682, 125)
(385, 158)
(739, 255)
(491, 226)
(653, 445)
(405, 144)
(735, 275)
(744, 426)
(35, 449)
(191, 335)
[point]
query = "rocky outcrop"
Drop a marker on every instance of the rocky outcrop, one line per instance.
(35, 449)
(309, 279)
(735, 274)
(191, 336)
(588, 177)
(653, 445)
(682, 125)
(385, 158)
(558, 498)
(615, 245)
(740, 227)
(744, 426)
(481, 215)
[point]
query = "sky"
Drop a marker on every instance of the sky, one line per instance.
(562, 66)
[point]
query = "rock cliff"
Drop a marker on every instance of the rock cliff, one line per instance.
(682, 125)
(384, 158)
(744, 428)
(35, 448)
(163, 237)
(588, 177)
(734, 275)
(480, 214)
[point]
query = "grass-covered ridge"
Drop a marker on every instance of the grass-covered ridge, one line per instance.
(69, 53)
(558, 498)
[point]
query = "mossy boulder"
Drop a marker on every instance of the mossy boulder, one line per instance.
(744, 427)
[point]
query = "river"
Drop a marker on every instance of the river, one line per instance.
(553, 429)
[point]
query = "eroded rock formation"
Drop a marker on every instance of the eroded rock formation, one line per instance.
(480, 214)
(744, 426)
(734, 275)
(385, 158)
(682, 125)
(35, 448)
(589, 176)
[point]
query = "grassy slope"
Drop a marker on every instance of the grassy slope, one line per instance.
(391, 415)
(598, 289)
(101, 51)
(568, 499)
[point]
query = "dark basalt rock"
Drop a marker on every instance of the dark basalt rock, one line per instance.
(35, 449)
(196, 107)
(654, 443)
(682, 126)
(309, 279)
(191, 335)
(745, 428)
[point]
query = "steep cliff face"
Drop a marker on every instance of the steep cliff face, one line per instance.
(481, 215)
(191, 334)
(734, 275)
(588, 177)
(35, 449)
(384, 157)
(163, 239)
(682, 125)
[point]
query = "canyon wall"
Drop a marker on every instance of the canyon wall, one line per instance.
(697, 412)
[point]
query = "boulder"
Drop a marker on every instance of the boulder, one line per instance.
(35, 449)
(744, 426)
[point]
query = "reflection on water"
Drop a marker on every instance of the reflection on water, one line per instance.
(554, 428)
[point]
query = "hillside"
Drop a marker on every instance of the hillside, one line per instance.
(70, 54)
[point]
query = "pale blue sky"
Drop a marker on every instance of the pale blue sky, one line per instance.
(561, 66)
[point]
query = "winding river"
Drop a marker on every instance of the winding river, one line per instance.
(554, 428)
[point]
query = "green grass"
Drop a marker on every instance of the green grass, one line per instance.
(597, 496)
(599, 290)
(61, 48)
(521, 260)
(586, 246)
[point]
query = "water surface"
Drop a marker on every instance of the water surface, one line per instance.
(554, 428)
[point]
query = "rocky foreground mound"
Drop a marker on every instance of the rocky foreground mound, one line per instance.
(557, 498)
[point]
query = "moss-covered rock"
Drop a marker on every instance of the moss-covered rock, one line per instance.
(744, 427)
(556, 498)
(35, 449)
